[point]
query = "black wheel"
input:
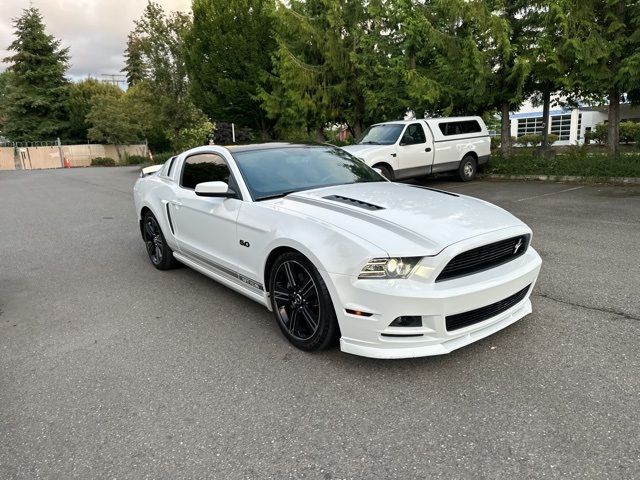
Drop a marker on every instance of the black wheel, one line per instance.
(387, 172)
(301, 303)
(159, 252)
(468, 168)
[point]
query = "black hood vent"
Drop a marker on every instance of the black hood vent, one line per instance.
(354, 202)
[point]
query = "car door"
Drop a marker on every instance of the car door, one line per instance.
(415, 150)
(205, 227)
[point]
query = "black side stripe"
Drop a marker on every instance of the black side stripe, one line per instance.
(169, 218)
(463, 138)
(227, 271)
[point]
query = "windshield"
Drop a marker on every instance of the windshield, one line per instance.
(381, 134)
(274, 172)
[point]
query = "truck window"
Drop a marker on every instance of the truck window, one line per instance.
(414, 134)
(460, 128)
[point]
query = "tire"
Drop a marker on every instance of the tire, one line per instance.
(387, 172)
(159, 252)
(301, 303)
(467, 169)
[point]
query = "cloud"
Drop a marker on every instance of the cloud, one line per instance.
(95, 30)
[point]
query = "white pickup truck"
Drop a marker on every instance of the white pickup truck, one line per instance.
(411, 148)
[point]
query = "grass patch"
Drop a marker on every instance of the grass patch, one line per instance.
(580, 163)
(135, 160)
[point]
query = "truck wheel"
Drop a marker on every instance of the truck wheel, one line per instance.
(387, 172)
(467, 170)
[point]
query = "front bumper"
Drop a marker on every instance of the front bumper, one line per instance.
(388, 299)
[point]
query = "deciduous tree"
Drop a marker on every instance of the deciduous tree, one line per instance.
(161, 44)
(82, 97)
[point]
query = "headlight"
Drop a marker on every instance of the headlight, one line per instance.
(396, 267)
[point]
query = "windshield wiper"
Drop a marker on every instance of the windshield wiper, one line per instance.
(369, 143)
(275, 195)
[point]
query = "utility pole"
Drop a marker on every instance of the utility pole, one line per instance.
(114, 78)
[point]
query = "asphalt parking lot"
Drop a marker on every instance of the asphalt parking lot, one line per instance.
(112, 369)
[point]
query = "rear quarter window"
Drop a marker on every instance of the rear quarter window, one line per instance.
(171, 162)
(462, 127)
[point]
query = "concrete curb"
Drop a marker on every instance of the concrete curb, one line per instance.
(566, 178)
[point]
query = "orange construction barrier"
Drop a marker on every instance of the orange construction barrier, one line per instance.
(66, 163)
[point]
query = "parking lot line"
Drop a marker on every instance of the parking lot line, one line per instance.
(550, 193)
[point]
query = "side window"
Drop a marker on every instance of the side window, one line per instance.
(206, 167)
(414, 134)
(171, 162)
(470, 126)
(459, 128)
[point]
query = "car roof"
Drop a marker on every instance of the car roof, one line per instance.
(430, 119)
(268, 146)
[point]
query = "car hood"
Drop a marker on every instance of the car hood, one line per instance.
(399, 218)
(364, 150)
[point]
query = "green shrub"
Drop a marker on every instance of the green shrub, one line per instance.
(495, 143)
(103, 162)
(534, 139)
(136, 160)
(574, 162)
(629, 132)
(598, 135)
(162, 157)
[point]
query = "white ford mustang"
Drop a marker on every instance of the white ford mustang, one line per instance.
(333, 249)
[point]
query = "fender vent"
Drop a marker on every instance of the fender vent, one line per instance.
(354, 202)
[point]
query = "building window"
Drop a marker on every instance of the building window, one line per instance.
(579, 126)
(528, 126)
(560, 126)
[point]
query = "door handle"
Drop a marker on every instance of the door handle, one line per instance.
(428, 149)
(393, 155)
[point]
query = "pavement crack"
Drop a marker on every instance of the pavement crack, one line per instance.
(620, 313)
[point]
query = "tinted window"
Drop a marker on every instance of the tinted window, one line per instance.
(278, 171)
(381, 134)
(171, 162)
(414, 134)
(460, 128)
(206, 167)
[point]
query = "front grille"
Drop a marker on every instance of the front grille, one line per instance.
(485, 257)
(465, 319)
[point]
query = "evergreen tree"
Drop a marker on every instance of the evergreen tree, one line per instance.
(507, 43)
(134, 60)
(4, 84)
(332, 66)
(37, 91)
(229, 50)
(550, 21)
(605, 46)
(448, 66)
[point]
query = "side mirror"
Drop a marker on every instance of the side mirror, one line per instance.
(214, 189)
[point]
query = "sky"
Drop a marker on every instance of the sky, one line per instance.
(95, 30)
